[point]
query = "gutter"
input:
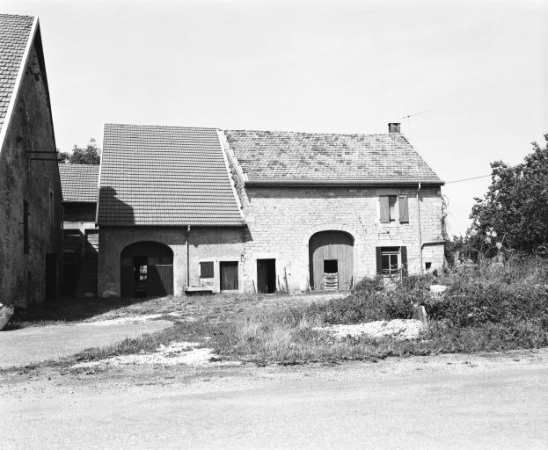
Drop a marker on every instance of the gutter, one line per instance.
(299, 183)
(420, 226)
(188, 256)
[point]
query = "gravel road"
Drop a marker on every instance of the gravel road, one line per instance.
(449, 402)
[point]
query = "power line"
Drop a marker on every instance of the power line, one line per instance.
(467, 179)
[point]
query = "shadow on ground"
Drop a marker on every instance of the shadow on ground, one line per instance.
(68, 310)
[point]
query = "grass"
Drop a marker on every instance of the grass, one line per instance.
(485, 308)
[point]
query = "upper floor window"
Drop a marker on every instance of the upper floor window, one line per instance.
(394, 208)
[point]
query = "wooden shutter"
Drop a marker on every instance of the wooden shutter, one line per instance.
(379, 260)
(404, 210)
(385, 209)
(206, 269)
(403, 251)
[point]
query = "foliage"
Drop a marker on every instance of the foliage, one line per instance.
(89, 155)
(515, 208)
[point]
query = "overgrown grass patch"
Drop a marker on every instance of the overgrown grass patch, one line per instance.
(483, 309)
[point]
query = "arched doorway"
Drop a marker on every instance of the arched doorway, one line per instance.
(331, 260)
(146, 270)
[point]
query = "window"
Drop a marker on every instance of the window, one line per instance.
(394, 208)
(330, 266)
(206, 269)
(390, 260)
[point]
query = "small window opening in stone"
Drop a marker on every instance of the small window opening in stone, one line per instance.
(428, 265)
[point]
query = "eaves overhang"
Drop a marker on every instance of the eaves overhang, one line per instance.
(341, 184)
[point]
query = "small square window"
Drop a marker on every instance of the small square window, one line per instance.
(206, 269)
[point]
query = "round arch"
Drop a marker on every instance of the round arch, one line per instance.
(146, 270)
(331, 255)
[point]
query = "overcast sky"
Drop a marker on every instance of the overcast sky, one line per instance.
(473, 76)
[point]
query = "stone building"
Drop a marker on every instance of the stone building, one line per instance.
(30, 189)
(247, 211)
(79, 183)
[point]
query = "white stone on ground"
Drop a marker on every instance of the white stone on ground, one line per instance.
(400, 329)
(170, 355)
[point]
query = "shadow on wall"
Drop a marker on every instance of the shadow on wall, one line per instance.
(114, 211)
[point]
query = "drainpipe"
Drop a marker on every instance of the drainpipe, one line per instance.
(188, 256)
(420, 226)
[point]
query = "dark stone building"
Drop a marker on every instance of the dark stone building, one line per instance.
(30, 188)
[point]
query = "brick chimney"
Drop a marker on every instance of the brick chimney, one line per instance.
(394, 128)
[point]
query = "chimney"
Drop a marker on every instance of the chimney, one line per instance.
(394, 128)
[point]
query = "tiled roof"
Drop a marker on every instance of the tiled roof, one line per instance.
(155, 175)
(14, 35)
(79, 182)
(290, 157)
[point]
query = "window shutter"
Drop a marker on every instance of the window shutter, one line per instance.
(404, 210)
(385, 209)
(379, 260)
(206, 269)
(403, 251)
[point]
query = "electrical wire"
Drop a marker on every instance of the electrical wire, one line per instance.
(467, 179)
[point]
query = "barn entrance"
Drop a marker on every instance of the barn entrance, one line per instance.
(331, 260)
(146, 270)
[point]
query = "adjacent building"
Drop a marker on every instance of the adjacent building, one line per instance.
(30, 188)
(261, 211)
(80, 235)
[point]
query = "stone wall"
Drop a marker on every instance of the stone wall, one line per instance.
(205, 244)
(22, 276)
(282, 221)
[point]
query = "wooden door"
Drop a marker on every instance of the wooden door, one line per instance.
(331, 246)
(229, 275)
(160, 280)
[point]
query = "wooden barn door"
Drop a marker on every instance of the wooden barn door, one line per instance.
(331, 260)
(160, 277)
(229, 275)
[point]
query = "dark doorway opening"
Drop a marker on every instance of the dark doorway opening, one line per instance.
(146, 270)
(330, 266)
(266, 275)
(51, 276)
(229, 275)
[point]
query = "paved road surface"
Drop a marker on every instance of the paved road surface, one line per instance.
(36, 344)
(451, 402)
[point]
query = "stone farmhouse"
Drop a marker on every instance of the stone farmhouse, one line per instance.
(183, 209)
(30, 188)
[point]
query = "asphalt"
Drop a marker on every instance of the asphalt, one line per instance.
(51, 342)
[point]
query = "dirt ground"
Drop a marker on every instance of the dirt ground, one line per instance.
(450, 401)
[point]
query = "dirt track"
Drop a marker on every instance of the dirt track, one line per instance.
(450, 402)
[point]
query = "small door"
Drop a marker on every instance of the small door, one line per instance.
(229, 275)
(266, 275)
(51, 276)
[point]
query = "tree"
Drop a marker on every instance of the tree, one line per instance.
(514, 211)
(89, 155)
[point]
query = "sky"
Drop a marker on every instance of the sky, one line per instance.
(467, 80)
